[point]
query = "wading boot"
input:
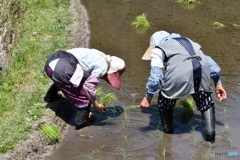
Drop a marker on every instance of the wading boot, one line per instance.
(82, 118)
(52, 94)
(208, 120)
(166, 116)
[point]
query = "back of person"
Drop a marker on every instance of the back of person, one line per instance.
(181, 54)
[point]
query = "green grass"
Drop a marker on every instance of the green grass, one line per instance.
(40, 31)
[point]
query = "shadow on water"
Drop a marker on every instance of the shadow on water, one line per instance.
(67, 112)
(136, 134)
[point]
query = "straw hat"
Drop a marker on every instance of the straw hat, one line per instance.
(155, 40)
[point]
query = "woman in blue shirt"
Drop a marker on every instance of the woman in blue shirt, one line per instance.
(179, 68)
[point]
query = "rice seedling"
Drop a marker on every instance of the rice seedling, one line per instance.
(218, 25)
(99, 91)
(164, 153)
(194, 128)
(105, 98)
(203, 156)
(225, 112)
(125, 123)
(236, 25)
(123, 153)
(230, 142)
(93, 155)
(132, 106)
(156, 155)
(51, 133)
(196, 141)
(141, 21)
(226, 129)
(161, 136)
(108, 99)
(126, 139)
(188, 105)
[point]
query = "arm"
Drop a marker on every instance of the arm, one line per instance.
(89, 87)
(214, 69)
(215, 75)
(99, 107)
(156, 76)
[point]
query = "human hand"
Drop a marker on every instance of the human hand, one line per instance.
(145, 104)
(99, 107)
(220, 91)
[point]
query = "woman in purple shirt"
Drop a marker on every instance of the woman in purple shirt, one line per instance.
(76, 73)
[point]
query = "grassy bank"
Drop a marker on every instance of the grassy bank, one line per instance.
(40, 30)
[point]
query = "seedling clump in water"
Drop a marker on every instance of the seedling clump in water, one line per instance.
(141, 21)
(141, 24)
(218, 25)
(188, 106)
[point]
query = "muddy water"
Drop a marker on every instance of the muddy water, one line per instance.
(136, 134)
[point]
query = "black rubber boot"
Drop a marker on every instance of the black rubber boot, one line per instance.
(82, 118)
(208, 120)
(166, 116)
(52, 93)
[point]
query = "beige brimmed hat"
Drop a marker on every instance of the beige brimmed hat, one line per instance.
(147, 54)
(155, 39)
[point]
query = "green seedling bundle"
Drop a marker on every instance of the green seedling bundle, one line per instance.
(51, 133)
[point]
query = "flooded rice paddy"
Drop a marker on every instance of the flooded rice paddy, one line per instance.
(124, 133)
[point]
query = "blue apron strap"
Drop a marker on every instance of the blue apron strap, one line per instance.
(197, 68)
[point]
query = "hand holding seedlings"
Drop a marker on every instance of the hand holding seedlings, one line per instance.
(99, 107)
(145, 104)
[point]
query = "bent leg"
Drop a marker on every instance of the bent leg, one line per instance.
(205, 104)
(82, 117)
(166, 113)
(166, 116)
(52, 93)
